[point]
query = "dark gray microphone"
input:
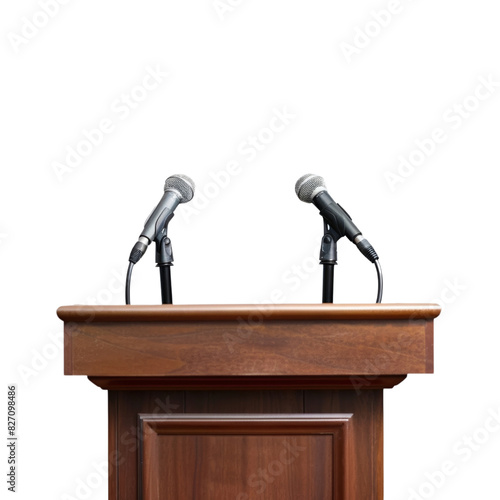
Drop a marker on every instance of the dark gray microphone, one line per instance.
(311, 188)
(178, 189)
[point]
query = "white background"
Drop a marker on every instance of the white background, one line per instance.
(357, 109)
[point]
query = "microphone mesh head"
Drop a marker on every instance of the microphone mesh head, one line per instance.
(308, 186)
(182, 185)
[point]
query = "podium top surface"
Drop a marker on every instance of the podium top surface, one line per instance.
(299, 342)
(231, 312)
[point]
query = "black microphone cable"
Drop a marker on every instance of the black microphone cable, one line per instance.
(380, 280)
(369, 252)
(128, 282)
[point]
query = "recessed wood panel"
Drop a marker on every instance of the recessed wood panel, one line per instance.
(239, 457)
(240, 468)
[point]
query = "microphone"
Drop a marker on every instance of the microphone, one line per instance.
(311, 188)
(178, 189)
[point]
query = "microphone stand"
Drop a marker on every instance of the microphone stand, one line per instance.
(164, 260)
(328, 259)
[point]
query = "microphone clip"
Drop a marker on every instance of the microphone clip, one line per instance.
(328, 252)
(164, 260)
(328, 259)
(164, 253)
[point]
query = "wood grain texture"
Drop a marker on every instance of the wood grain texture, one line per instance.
(68, 351)
(113, 442)
(429, 346)
(247, 383)
(270, 348)
(231, 312)
(360, 471)
(227, 457)
(366, 468)
(235, 402)
(124, 438)
(184, 467)
(270, 367)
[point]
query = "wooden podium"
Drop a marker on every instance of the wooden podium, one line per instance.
(247, 402)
